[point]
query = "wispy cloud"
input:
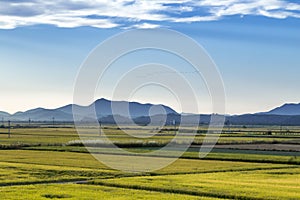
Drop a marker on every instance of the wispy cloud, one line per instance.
(135, 13)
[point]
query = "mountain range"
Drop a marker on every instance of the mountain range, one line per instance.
(103, 108)
(287, 114)
(286, 109)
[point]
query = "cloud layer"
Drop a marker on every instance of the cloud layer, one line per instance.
(135, 13)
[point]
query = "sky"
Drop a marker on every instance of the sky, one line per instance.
(254, 43)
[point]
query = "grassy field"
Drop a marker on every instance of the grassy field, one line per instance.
(258, 184)
(49, 163)
(59, 136)
(85, 192)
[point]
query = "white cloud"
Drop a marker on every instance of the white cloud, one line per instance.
(135, 13)
(146, 26)
(195, 19)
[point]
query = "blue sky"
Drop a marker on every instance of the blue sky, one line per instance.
(254, 43)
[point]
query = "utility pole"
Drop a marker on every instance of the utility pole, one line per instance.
(29, 121)
(100, 131)
(53, 120)
(8, 128)
(174, 123)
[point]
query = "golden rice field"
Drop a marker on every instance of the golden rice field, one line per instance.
(40, 163)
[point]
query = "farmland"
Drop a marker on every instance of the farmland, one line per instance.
(45, 162)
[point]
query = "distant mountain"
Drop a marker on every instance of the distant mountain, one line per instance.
(41, 114)
(103, 108)
(286, 109)
(264, 119)
(4, 114)
(288, 114)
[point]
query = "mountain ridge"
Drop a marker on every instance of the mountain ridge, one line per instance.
(287, 114)
(102, 107)
(285, 109)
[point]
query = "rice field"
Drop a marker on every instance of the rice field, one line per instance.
(258, 184)
(85, 192)
(50, 163)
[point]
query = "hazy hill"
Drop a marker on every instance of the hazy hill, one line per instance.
(264, 119)
(288, 114)
(286, 109)
(4, 115)
(41, 114)
(102, 107)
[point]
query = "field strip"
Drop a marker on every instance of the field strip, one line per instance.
(282, 166)
(265, 184)
(182, 157)
(55, 165)
(225, 170)
(247, 160)
(137, 187)
(158, 173)
(262, 147)
(63, 181)
(175, 191)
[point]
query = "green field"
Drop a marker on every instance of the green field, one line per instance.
(51, 163)
(84, 192)
(265, 184)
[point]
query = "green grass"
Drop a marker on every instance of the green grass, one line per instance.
(260, 158)
(262, 184)
(43, 136)
(20, 173)
(280, 157)
(84, 192)
(70, 159)
(44, 159)
(31, 166)
(63, 159)
(60, 136)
